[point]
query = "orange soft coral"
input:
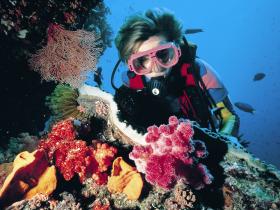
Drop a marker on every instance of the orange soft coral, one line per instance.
(125, 179)
(30, 175)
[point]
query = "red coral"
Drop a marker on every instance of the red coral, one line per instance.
(171, 154)
(100, 178)
(173, 121)
(73, 156)
(63, 130)
(104, 155)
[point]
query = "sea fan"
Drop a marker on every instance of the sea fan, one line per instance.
(67, 55)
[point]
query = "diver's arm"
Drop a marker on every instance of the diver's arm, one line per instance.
(230, 120)
(130, 110)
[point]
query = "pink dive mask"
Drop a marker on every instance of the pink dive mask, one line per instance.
(166, 56)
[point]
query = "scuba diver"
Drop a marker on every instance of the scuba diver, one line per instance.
(165, 77)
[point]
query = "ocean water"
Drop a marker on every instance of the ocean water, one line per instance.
(240, 39)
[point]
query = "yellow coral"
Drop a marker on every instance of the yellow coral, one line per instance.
(125, 179)
(30, 175)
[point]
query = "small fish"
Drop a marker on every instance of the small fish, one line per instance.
(98, 76)
(258, 76)
(131, 8)
(245, 107)
(193, 30)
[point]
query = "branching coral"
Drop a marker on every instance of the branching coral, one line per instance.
(171, 154)
(104, 155)
(67, 55)
(36, 202)
(65, 201)
(181, 198)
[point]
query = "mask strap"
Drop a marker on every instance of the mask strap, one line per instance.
(113, 74)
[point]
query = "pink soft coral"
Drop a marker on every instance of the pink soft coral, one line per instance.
(171, 154)
(162, 167)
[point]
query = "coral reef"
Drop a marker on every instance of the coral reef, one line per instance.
(67, 56)
(74, 157)
(38, 201)
(104, 155)
(250, 183)
(101, 205)
(171, 154)
(63, 130)
(97, 109)
(68, 201)
(100, 192)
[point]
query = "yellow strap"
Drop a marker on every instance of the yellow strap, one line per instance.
(228, 119)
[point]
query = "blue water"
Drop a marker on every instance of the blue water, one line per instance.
(241, 38)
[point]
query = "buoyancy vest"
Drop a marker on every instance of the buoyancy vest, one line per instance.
(192, 104)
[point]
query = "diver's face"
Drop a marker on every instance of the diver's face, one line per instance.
(153, 42)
